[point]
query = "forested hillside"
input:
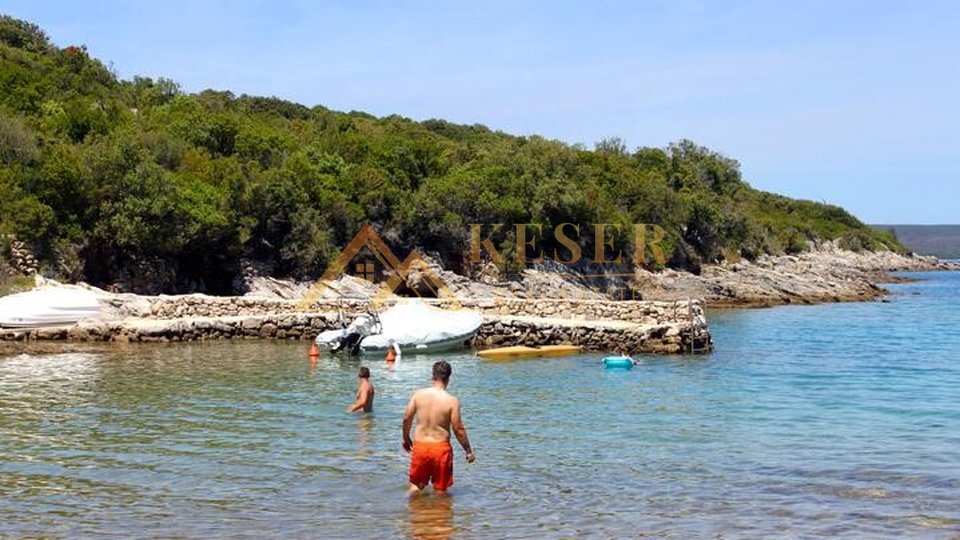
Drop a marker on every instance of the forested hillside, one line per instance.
(136, 183)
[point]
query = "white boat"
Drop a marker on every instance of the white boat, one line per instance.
(412, 325)
(55, 306)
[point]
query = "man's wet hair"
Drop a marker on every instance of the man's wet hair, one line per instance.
(364, 373)
(442, 371)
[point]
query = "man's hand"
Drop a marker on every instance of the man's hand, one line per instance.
(407, 444)
(471, 456)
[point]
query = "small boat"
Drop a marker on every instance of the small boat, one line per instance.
(55, 306)
(413, 326)
(522, 351)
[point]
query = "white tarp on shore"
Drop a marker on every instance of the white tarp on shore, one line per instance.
(55, 306)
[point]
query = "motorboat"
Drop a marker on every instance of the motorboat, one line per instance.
(54, 306)
(411, 325)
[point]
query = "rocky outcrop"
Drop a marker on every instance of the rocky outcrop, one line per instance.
(826, 274)
(22, 259)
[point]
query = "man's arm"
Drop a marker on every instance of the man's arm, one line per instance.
(362, 396)
(408, 414)
(461, 431)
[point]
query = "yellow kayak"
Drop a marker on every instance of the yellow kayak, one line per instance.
(522, 351)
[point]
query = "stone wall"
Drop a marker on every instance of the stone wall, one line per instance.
(594, 336)
(670, 327)
(22, 259)
(634, 311)
(637, 311)
(635, 327)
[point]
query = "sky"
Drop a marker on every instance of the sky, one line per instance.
(853, 103)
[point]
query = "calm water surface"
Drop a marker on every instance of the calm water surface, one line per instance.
(835, 420)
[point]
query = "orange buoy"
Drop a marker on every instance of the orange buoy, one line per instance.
(314, 351)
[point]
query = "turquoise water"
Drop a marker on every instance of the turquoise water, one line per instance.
(833, 420)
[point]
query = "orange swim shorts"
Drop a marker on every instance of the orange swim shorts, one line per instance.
(432, 460)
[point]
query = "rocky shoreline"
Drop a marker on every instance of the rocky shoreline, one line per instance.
(669, 319)
(826, 274)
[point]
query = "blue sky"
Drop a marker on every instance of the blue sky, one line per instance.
(852, 103)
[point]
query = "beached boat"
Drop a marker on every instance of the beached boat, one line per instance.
(56, 306)
(514, 353)
(412, 325)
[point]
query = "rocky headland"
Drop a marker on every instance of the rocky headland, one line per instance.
(824, 274)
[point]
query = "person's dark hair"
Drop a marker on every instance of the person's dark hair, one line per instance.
(442, 371)
(364, 373)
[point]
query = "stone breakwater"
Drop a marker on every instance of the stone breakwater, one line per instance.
(199, 305)
(629, 326)
(631, 338)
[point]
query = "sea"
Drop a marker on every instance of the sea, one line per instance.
(834, 420)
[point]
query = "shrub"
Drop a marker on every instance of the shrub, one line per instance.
(17, 144)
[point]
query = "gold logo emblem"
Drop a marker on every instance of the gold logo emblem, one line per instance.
(396, 270)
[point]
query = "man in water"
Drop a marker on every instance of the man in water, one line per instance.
(393, 353)
(437, 411)
(364, 393)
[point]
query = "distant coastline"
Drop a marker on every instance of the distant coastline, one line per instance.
(942, 241)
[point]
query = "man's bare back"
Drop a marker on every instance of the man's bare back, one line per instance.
(437, 413)
(433, 408)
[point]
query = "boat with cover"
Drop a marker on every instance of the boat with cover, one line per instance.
(54, 306)
(411, 325)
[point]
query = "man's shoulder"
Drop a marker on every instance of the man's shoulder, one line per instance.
(448, 398)
(434, 394)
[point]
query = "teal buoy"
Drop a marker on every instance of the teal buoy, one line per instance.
(618, 362)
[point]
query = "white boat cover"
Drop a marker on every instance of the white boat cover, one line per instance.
(55, 306)
(413, 324)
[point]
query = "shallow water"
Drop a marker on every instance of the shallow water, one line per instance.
(834, 420)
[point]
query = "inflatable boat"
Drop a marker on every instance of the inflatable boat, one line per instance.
(412, 325)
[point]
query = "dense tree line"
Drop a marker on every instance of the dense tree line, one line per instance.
(105, 177)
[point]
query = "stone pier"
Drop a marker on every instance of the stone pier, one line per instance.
(628, 326)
